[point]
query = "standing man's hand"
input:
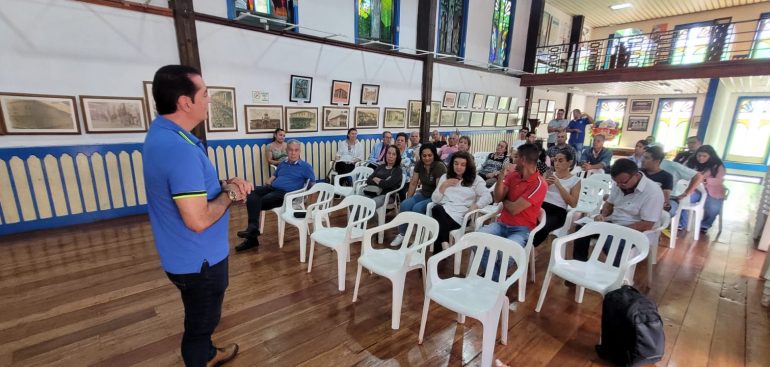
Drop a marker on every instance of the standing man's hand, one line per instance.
(244, 187)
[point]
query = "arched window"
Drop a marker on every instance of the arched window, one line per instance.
(500, 40)
(672, 123)
(452, 15)
(750, 133)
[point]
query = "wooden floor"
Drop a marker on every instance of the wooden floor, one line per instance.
(96, 295)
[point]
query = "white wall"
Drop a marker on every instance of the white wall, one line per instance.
(317, 15)
(561, 35)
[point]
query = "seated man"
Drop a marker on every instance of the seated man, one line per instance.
(290, 175)
(693, 143)
(450, 148)
(436, 140)
(635, 202)
(463, 145)
(522, 191)
(681, 172)
(377, 155)
(561, 146)
(414, 143)
(596, 157)
(651, 168)
(523, 132)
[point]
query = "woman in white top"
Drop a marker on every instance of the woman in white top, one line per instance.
(349, 152)
(563, 192)
(458, 191)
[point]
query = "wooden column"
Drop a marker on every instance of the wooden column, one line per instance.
(535, 18)
(527, 106)
(567, 106)
(426, 40)
(187, 44)
(574, 40)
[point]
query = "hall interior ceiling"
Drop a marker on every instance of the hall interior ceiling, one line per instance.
(598, 13)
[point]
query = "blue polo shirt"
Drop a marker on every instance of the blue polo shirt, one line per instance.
(578, 138)
(176, 167)
(290, 176)
(604, 156)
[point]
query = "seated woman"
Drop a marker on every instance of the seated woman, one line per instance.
(563, 192)
(708, 164)
(427, 172)
(463, 145)
(349, 152)
(459, 191)
(492, 166)
(277, 148)
(387, 177)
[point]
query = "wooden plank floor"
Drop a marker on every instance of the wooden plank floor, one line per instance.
(96, 295)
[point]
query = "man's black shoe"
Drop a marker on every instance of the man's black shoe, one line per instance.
(247, 244)
(250, 232)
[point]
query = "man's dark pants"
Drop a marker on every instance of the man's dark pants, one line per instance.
(262, 198)
(202, 296)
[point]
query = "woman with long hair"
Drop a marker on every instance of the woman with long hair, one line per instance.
(563, 193)
(276, 150)
(707, 162)
(349, 152)
(459, 191)
(387, 177)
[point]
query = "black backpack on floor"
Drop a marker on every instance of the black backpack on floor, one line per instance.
(632, 330)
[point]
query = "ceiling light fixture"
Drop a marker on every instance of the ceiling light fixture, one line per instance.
(620, 6)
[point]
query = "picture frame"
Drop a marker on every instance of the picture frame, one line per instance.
(300, 89)
(514, 104)
(489, 119)
(541, 117)
(394, 117)
(301, 119)
(370, 94)
(105, 115)
(463, 100)
(335, 118)
(501, 120)
(533, 110)
(641, 106)
(491, 102)
(263, 118)
(415, 109)
(542, 105)
(450, 100)
(478, 101)
(502, 103)
(463, 118)
(638, 123)
(340, 93)
(435, 112)
(551, 106)
(477, 119)
(367, 118)
(151, 108)
(222, 116)
(513, 118)
(447, 118)
(38, 114)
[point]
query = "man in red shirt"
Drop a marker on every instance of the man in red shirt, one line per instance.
(522, 192)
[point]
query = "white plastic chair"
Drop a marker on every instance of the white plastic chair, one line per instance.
(589, 203)
(383, 210)
(360, 210)
(279, 212)
(478, 297)
(654, 236)
(395, 263)
(468, 225)
(596, 275)
(480, 158)
(325, 195)
(695, 209)
(358, 177)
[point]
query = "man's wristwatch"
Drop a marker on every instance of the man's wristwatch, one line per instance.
(232, 195)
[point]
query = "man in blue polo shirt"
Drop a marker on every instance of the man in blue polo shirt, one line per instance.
(577, 129)
(596, 156)
(188, 209)
(290, 175)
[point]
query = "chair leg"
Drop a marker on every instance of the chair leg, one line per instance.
(310, 258)
(281, 229)
(458, 257)
(424, 319)
(262, 222)
(381, 212)
(695, 224)
(674, 230)
(579, 291)
(488, 339)
(358, 281)
(504, 311)
(531, 265)
(543, 290)
(342, 264)
(523, 285)
(398, 299)
(302, 232)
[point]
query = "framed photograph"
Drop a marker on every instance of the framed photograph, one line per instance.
(476, 119)
(113, 114)
(335, 118)
(222, 110)
(542, 105)
(340, 92)
(520, 112)
(503, 102)
(463, 118)
(414, 113)
(491, 103)
(551, 106)
(514, 104)
(638, 123)
(478, 101)
(450, 99)
(641, 106)
(435, 112)
(367, 117)
(463, 100)
(541, 117)
(512, 120)
(533, 110)
(301, 89)
(394, 117)
(301, 119)
(149, 100)
(262, 118)
(447, 118)
(549, 116)
(501, 120)
(370, 93)
(38, 114)
(489, 118)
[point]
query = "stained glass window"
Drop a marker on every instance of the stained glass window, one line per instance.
(610, 109)
(761, 47)
(451, 16)
(750, 135)
(690, 45)
(376, 20)
(673, 122)
(278, 9)
(501, 27)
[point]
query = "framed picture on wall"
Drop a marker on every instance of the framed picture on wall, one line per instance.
(491, 103)
(262, 118)
(29, 114)
(335, 118)
(533, 110)
(641, 105)
(301, 119)
(222, 115)
(370, 94)
(502, 104)
(489, 118)
(301, 89)
(435, 112)
(542, 105)
(113, 114)
(478, 101)
(551, 106)
(394, 117)
(638, 123)
(149, 100)
(513, 118)
(414, 113)
(447, 118)
(463, 100)
(367, 117)
(463, 118)
(450, 99)
(541, 117)
(477, 118)
(501, 120)
(514, 104)
(340, 92)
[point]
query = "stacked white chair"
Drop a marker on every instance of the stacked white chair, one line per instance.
(358, 177)
(421, 232)
(360, 209)
(478, 297)
(325, 194)
(695, 209)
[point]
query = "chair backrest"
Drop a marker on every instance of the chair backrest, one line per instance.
(323, 201)
(591, 194)
(602, 177)
(361, 173)
(360, 210)
(421, 230)
(533, 232)
(499, 248)
(680, 187)
(480, 158)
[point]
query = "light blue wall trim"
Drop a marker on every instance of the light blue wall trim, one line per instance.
(746, 166)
